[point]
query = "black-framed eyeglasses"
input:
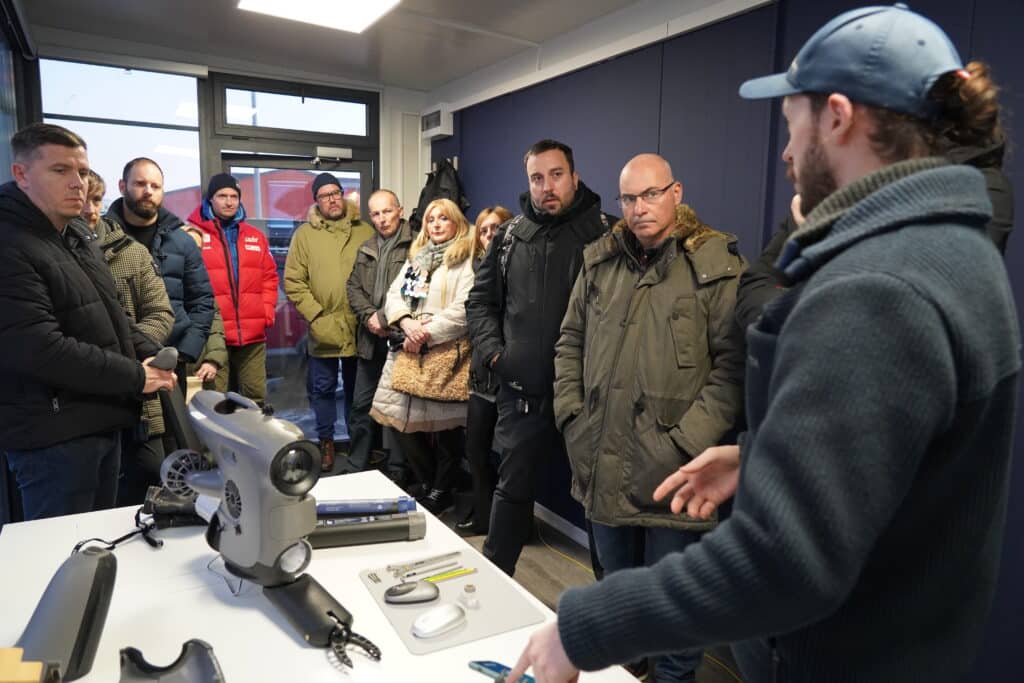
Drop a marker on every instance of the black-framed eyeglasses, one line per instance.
(648, 196)
(336, 194)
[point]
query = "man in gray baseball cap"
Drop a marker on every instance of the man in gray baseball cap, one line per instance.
(865, 537)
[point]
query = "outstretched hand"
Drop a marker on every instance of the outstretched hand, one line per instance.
(704, 483)
(545, 653)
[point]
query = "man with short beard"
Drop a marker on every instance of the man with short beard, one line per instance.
(140, 214)
(865, 538)
(320, 260)
(514, 311)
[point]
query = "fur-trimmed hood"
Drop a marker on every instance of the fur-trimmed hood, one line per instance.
(321, 222)
(690, 234)
(689, 229)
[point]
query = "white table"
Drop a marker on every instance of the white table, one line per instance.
(164, 597)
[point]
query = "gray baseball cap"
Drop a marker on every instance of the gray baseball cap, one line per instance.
(883, 56)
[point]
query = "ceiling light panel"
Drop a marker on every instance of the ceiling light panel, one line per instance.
(354, 17)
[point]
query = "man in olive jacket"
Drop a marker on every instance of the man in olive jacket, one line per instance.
(378, 263)
(647, 374)
(320, 259)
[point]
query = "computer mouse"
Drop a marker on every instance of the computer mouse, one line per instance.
(409, 592)
(438, 621)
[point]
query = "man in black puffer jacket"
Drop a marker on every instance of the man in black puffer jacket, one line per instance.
(141, 214)
(67, 351)
(514, 312)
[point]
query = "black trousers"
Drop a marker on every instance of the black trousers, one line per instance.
(480, 422)
(527, 437)
(432, 456)
(363, 432)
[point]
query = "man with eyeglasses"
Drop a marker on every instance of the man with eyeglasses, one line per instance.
(320, 260)
(647, 374)
(514, 311)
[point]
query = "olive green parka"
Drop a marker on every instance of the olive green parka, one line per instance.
(647, 374)
(316, 272)
(143, 298)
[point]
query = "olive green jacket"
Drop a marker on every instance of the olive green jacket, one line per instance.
(316, 271)
(647, 374)
(143, 298)
(361, 284)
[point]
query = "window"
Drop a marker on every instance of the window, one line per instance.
(126, 113)
(274, 110)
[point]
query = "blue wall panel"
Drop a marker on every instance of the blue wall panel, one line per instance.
(606, 113)
(716, 142)
(996, 39)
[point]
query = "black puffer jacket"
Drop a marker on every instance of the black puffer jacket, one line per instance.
(188, 286)
(989, 160)
(67, 365)
(518, 310)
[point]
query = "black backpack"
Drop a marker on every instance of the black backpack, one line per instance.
(442, 183)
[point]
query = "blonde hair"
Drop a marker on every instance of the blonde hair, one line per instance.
(503, 215)
(463, 244)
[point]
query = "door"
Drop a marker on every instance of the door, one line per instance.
(277, 195)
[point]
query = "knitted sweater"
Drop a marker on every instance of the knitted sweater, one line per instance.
(865, 538)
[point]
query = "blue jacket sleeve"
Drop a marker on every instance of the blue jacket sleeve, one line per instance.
(199, 302)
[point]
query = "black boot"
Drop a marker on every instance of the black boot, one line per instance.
(437, 501)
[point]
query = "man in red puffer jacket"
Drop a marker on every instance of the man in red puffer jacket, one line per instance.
(244, 279)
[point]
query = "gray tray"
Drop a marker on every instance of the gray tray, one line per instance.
(500, 607)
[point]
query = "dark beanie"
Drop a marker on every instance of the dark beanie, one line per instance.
(324, 179)
(219, 182)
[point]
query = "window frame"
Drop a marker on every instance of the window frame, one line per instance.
(222, 82)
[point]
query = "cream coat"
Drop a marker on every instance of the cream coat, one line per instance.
(446, 304)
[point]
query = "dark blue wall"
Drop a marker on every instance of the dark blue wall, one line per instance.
(679, 98)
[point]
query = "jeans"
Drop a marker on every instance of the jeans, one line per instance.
(623, 547)
(67, 478)
(321, 385)
(363, 432)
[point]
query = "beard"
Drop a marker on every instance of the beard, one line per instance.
(144, 208)
(816, 179)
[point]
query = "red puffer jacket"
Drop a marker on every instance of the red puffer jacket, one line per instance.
(247, 305)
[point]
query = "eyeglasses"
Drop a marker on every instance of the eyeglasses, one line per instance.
(336, 194)
(648, 196)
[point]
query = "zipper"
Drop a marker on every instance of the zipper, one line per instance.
(231, 278)
(776, 662)
(55, 403)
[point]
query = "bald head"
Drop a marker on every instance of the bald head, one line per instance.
(649, 194)
(385, 212)
(652, 164)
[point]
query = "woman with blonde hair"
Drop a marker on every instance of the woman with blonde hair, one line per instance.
(482, 413)
(425, 308)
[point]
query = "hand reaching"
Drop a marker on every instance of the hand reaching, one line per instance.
(704, 483)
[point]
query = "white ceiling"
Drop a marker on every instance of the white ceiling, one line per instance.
(420, 45)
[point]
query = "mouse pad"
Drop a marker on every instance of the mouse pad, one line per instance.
(500, 607)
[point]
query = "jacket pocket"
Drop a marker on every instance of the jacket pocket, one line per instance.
(578, 446)
(682, 325)
(326, 330)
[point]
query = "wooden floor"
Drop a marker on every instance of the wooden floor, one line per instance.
(551, 563)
